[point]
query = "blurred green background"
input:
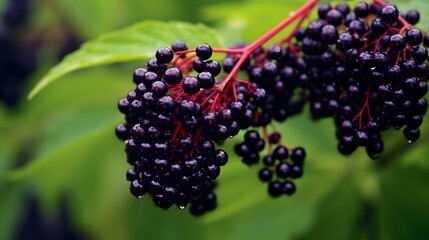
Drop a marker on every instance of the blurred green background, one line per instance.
(62, 168)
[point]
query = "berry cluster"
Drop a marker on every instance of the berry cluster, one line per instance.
(364, 67)
(367, 69)
(17, 61)
(173, 119)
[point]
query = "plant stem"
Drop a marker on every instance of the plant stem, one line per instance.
(248, 50)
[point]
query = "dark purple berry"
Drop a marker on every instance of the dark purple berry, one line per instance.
(389, 14)
(288, 188)
(204, 51)
(412, 16)
(275, 189)
(265, 175)
(164, 55)
(191, 85)
(206, 80)
(173, 76)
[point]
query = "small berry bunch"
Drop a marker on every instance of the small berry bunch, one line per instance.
(277, 171)
(17, 61)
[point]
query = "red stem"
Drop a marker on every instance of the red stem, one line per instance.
(295, 29)
(248, 50)
(364, 107)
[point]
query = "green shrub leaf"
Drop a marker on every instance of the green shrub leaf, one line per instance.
(139, 41)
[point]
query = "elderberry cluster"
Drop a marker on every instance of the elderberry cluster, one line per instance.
(366, 68)
(172, 121)
(17, 61)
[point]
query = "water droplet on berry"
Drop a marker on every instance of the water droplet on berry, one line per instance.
(181, 207)
(410, 141)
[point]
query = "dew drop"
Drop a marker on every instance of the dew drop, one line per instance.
(409, 141)
(373, 155)
(181, 207)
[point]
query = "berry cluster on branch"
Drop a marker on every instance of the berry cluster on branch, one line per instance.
(363, 67)
(367, 70)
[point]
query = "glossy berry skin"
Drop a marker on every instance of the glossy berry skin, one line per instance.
(329, 34)
(343, 8)
(204, 51)
(179, 45)
(334, 17)
(164, 55)
(281, 153)
(298, 155)
(283, 170)
(412, 16)
(206, 80)
(139, 75)
(173, 76)
(122, 131)
(397, 42)
(323, 10)
(275, 189)
(389, 14)
(265, 175)
(251, 137)
(191, 85)
(378, 26)
(288, 188)
(362, 10)
(414, 37)
(212, 67)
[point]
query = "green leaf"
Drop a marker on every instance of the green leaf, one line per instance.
(139, 41)
(403, 210)
(12, 198)
(338, 214)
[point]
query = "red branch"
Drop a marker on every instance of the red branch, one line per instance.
(366, 107)
(225, 92)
